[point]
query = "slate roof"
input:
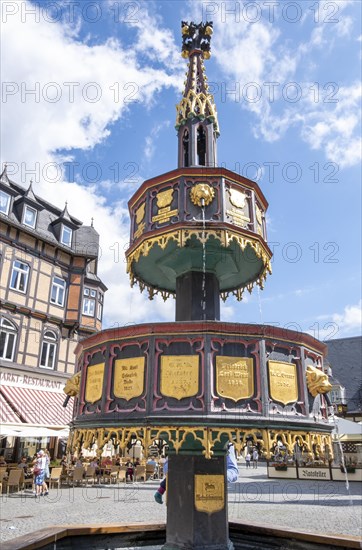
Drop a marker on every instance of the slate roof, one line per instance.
(345, 359)
(85, 238)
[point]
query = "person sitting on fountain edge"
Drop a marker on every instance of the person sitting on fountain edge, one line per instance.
(232, 472)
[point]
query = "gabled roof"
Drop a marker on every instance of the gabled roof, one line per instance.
(345, 359)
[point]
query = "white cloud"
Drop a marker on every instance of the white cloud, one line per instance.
(350, 319)
(151, 140)
(258, 53)
(339, 325)
(36, 129)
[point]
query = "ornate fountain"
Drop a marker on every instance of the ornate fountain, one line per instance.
(198, 234)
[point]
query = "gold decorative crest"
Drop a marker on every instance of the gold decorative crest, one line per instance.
(259, 215)
(283, 381)
(94, 383)
(202, 194)
(164, 198)
(209, 493)
(140, 213)
(179, 376)
(129, 377)
(234, 377)
(317, 381)
(237, 198)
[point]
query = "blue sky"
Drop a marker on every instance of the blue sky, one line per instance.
(286, 78)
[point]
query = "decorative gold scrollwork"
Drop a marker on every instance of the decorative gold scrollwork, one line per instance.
(207, 437)
(181, 237)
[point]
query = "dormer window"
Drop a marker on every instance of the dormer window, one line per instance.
(29, 217)
(4, 202)
(66, 236)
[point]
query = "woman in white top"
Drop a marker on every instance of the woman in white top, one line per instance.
(39, 468)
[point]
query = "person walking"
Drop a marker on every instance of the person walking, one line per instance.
(46, 471)
(247, 458)
(162, 488)
(255, 457)
(39, 474)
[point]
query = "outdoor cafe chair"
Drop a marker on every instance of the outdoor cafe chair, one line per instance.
(140, 473)
(150, 471)
(121, 475)
(90, 475)
(77, 477)
(55, 477)
(26, 481)
(110, 474)
(14, 479)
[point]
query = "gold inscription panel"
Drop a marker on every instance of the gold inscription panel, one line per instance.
(179, 376)
(283, 381)
(94, 383)
(129, 377)
(209, 493)
(234, 377)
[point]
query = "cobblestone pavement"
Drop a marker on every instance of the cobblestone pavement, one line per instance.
(314, 506)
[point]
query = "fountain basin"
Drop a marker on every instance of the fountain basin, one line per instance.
(147, 536)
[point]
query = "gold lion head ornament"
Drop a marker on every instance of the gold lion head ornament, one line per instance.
(72, 385)
(202, 194)
(317, 381)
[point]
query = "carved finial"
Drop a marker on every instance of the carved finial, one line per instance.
(92, 220)
(196, 37)
(4, 174)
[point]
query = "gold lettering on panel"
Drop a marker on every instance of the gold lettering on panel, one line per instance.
(283, 381)
(234, 377)
(179, 375)
(94, 383)
(129, 377)
(209, 493)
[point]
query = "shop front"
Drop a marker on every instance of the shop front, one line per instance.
(32, 415)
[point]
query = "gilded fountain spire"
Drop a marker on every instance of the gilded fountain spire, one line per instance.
(196, 119)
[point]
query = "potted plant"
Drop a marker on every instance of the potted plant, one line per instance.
(349, 468)
(280, 466)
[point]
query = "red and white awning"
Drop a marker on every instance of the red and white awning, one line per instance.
(35, 406)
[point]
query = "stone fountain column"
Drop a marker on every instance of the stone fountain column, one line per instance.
(197, 514)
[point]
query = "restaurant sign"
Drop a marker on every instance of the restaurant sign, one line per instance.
(31, 381)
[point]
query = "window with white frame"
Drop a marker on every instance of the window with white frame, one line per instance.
(8, 333)
(89, 302)
(66, 236)
(100, 306)
(29, 217)
(4, 202)
(57, 293)
(19, 276)
(48, 350)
